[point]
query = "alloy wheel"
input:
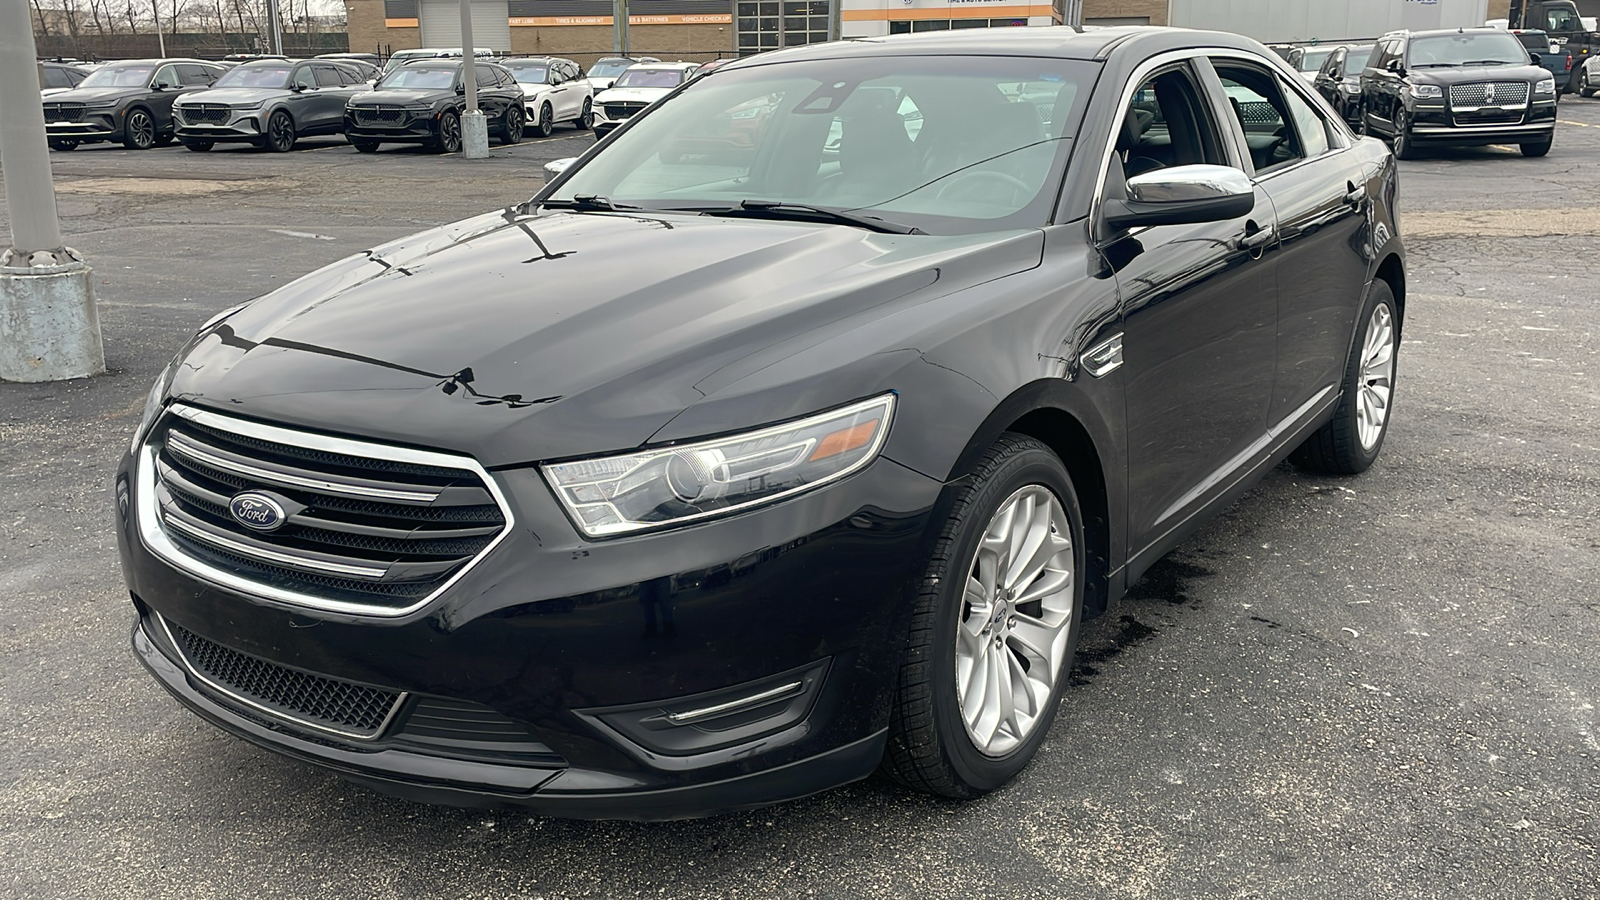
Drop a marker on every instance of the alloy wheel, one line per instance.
(141, 130)
(1016, 620)
(280, 133)
(547, 121)
(449, 132)
(511, 127)
(586, 121)
(1377, 377)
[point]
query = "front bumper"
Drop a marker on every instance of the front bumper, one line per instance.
(579, 640)
(419, 129)
(1434, 124)
(244, 126)
(92, 127)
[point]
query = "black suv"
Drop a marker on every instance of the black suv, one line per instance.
(127, 101)
(422, 103)
(1464, 87)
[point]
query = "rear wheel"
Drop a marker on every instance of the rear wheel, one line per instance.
(546, 123)
(63, 144)
(994, 628)
(199, 146)
(280, 132)
(365, 146)
(1539, 149)
(139, 130)
(511, 125)
(1349, 443)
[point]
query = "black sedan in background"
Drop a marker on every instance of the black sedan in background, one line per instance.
(268, 104)
(422, 103)
(1339, 80)
(127, 101)
(715, 477)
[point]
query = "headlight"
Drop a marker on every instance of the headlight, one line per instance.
(1349, 88)
(101, 104)
(1426, 91)
(1547, 86)
(689, 482)
(156, 399)
(255, 105)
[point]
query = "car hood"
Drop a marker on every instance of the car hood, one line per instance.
(91, 95)
(626, 94)
(1529, 73)
(401, 96)
(515, 338)
(232, 96)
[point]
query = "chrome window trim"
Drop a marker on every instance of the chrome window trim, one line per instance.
(148, 513)
(193, 672)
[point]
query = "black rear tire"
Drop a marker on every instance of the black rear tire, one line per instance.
(929, 747)
(449, 139)
(1335, 448)
(511, 125)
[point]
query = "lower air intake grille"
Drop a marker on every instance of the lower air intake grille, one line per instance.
(324, 703)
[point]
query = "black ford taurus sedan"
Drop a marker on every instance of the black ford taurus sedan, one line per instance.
(726, 471)
(422, 103)
(129, 101)
(1459, 88)
(268, 104)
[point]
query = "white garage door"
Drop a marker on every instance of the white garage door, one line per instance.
(441, 23)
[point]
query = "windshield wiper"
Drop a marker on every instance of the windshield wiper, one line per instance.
(780, 210)
(1433, 65)
(587, 203)
(1487, 62)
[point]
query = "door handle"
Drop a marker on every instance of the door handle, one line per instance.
(1355, 195)
(1256, 240)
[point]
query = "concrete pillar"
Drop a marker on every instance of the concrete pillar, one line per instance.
(49, 327)
(474, 125)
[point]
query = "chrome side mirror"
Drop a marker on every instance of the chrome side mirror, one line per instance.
(1182, 195)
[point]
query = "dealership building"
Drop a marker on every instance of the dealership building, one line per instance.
(697, 29)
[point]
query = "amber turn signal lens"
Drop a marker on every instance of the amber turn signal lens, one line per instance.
(844, 441)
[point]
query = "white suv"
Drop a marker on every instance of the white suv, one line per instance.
(554, 90)
(638, 87)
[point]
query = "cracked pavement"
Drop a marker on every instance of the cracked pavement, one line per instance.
(1375, 687)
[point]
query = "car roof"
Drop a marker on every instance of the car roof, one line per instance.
(664, 66)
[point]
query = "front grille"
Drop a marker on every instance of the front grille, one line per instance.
(1488, 93)
(382, 533)
(623, 110)
(63, 112)
(206, 114)
(1501, 119)
(1257, 112)
(327, 703)
(379, 115)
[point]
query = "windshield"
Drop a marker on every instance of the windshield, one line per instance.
(657, 78)
(1444, 50)
(119, 76)
(256, 77)
(530, 73)
(400, 59)
(609, 68)
(1357, 59)
(426, 78)
(946, 144)
(1312, 60)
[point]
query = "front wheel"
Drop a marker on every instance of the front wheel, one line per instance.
(365, 146)
(586, 121)
(139, 131)
(449, 140)
(1349, 443)
(1404, 145)
(994, 627)
(63, 144)
(280, 132)
(199, 146)
(1539, 149)
(546, 122)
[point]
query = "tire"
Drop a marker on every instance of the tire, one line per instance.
(449, 139)
(585, 121)
(1404, 145)
(139, 131)
(199, 146)
(1535, 150)
(1361, 127)
(547, 123)
(364, 146)
(279, 136)
(511, 125)
(1340, 447)
(931, 747)
(1586, 93)
(163, 139)
(63, 144)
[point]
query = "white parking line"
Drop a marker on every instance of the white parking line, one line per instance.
(301, 234)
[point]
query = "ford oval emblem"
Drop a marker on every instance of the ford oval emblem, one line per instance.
(256, 510)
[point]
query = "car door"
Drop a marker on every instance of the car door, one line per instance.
(1318, 190)
(160, 102)
(1329, 76)
(560, 91)
(491, 100)
(1199, 317)
(327, 107)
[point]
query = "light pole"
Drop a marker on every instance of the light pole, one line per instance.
(619, 27)
(49, 327)
(474, 126)
(274, 24)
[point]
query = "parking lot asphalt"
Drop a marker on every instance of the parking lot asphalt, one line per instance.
(1375, 687)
